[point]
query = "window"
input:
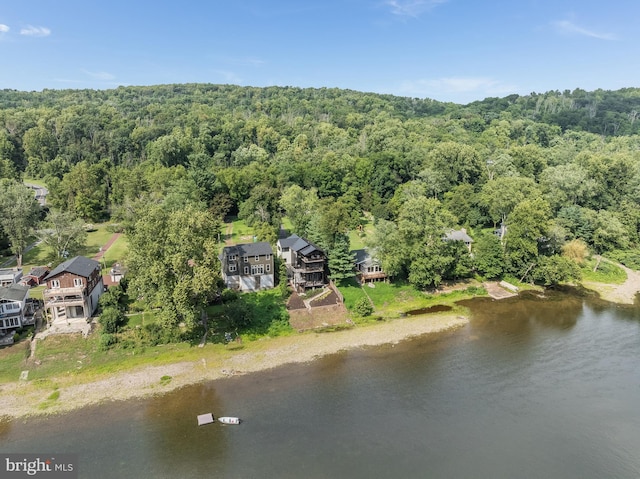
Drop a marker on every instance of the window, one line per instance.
(232, 268)
(246, 270)
(55, 283)
(257, 269)
(268, 268)
(232, 257)
(268, 257)
(257, 258)
(78, 283)
(246, 259)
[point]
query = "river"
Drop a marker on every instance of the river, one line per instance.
(531, 388)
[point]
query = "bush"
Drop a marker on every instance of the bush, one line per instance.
(363, 307)
(106, 341)
(111, 319)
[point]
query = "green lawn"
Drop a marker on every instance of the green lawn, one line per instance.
(241, 233)
(117, 252)
(606, 272)
(13, 361)
(393, 299)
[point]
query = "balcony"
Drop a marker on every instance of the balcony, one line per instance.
(311, 259)
(75, 291)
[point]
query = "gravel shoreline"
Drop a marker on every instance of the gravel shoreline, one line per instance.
(23, 399)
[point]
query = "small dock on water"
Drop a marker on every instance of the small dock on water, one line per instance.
(500, 290)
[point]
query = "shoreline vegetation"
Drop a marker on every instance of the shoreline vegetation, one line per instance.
(70, 392)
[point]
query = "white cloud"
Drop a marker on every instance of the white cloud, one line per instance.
(412, 8)
(571, 28)
(104, 76)
(32, 31)
(456, 88)
(4, 28)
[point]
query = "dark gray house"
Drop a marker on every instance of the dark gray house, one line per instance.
(306, 263)
(248, 267)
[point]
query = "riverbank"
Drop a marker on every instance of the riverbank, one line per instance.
(624, 293)
(23, 399)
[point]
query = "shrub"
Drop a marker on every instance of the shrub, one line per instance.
(363, 307)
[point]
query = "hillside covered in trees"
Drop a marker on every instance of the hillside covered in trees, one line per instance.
(558, 173)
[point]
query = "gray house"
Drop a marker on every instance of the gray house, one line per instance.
(459, 235)
(15, 310)
(9, 276)
(248, 267)
(306, 263)
(368, 267)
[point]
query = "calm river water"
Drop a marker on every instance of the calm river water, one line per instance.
(531, 388)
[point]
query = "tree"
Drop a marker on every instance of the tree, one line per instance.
(576, 250)
(299, 204)
(500, 196)
(526, 229)
(173, 263)
(341, 260)
(63, 233)
(19, 213)
(489, 256)
(556, 269)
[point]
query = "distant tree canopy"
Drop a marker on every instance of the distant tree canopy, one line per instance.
(548, 168)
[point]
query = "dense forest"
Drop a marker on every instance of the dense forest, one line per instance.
(555, 174)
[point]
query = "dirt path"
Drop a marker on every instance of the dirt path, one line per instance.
(624, 293)
(114, 237)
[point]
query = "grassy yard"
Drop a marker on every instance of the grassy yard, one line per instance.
(12, 361)
(393, 299)
(117, 252)
(237, 231)
(39, 255)
(606, 272)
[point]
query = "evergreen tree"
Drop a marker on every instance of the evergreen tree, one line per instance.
(341, 260)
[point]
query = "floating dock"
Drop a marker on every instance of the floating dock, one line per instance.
(205, 419)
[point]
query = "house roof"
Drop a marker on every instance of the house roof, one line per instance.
(15, 292)
(362, 256)
(38, 271)
(289, 241)
(260, 248)
(458, 235)
(79, 265)
(10, 272)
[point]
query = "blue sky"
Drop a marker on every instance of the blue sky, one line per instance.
(448, 50)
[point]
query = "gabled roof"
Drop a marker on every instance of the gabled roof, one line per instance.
(38, 271)
(362, 256)
(79, 265)
(289, 241)
(299, 245)
(260, 248)
(458, 235)
(15, 292)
